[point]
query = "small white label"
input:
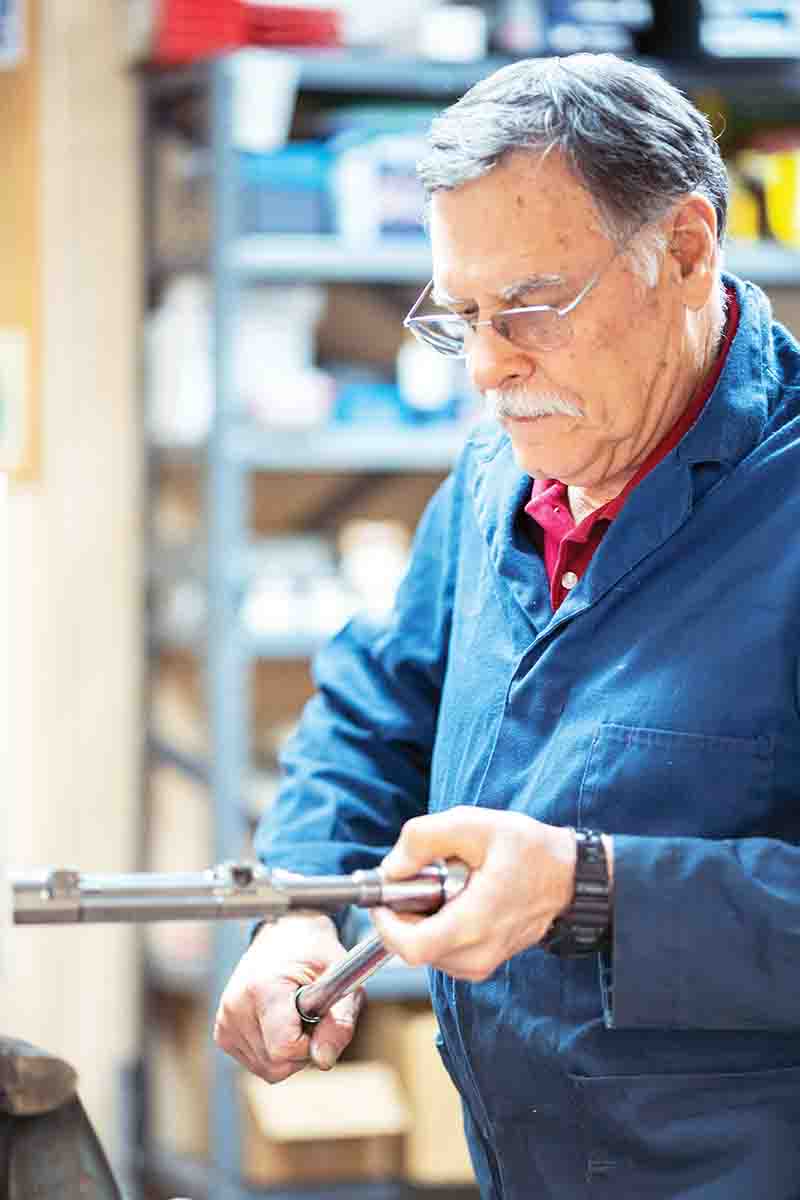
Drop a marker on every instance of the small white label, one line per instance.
(13, 396)
(12, 26)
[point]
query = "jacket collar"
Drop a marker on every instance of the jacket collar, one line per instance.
(731, 425)
(732, 422)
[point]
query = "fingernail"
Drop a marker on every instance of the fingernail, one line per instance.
(324, 1056)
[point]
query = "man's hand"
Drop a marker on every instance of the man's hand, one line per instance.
(257, 1021)
(522, 877)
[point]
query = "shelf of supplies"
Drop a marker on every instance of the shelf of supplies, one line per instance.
(748, 78)
(768, 264)
(345, 71)
(259, 789)
(191, 978)
(180, 1175)
(405, 260)
(284, 647)
(353, 71)
(380, 448)
(186, 638)
(190, 764)
(304, 256)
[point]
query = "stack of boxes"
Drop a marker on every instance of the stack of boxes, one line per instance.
(386, 1111)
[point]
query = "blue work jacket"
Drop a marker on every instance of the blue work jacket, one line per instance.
(661, 704)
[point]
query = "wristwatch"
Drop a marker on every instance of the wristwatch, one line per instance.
(585, 927)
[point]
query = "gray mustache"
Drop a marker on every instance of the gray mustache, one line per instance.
(522, 404)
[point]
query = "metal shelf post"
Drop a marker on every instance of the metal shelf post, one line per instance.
(226, 661)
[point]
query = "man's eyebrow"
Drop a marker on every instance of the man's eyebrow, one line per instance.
(521, 287)
(532, 283)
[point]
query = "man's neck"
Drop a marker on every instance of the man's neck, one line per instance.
(581, 504)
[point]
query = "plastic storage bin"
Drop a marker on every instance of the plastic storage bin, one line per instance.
(287, 191)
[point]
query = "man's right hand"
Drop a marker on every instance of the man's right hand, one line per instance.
(257, 1022)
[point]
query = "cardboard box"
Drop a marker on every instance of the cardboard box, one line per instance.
(404, 1036)
(346, 1124)
(342, 1125)
(179, 1112)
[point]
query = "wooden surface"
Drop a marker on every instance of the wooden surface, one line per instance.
(20, 248)
(73, 584)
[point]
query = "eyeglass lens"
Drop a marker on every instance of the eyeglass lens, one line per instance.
(450, 334)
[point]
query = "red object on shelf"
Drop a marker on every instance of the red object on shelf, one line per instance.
(191, 29)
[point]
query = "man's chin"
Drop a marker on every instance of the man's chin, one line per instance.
(543, 462)
(531, 462)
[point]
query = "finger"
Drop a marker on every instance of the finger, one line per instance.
(264, 1055)
(240, 1052)
(280, 1028)
(458, 925)
(458, 833)
(256, 1061)
(475, 964)
(335, 1031)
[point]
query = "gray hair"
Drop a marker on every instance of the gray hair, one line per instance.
(634, 141)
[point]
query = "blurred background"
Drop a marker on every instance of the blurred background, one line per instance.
(216, 443)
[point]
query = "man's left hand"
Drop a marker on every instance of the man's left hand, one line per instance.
(522, 876)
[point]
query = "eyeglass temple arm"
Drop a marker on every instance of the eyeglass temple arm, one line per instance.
(418, 302)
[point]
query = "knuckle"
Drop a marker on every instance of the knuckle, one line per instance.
(281, 1050)
(484, 967)
(253, 994)
(412, 829)
(225, 1018)
(413, 956)
(474, 974)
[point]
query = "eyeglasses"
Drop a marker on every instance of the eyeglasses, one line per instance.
(534, 327)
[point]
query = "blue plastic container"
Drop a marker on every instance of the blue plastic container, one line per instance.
(286, 191)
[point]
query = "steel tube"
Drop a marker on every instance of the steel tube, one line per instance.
(446, 880)
(237, 890)
(315, 999)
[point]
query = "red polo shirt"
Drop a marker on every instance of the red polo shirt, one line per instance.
(568, 548)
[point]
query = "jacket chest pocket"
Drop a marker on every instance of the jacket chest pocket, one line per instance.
(665, 783)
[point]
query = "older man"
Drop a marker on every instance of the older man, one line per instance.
(590, 683)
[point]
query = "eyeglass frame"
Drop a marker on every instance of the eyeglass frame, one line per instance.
(412, 322)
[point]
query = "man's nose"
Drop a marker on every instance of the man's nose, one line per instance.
(495, 363)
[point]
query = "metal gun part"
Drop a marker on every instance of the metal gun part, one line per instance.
(230, 890)
(239, 890)
(315, 999)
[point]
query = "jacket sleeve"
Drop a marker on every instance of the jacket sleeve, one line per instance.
(358, 766)
(706, 935)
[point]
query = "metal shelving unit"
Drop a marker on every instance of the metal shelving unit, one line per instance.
(235, 450)
(202, 1181)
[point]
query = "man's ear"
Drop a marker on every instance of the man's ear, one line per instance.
(693, 247)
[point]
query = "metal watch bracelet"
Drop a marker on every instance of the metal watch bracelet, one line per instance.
(586, 925)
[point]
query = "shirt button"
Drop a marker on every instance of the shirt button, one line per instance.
(568, 580)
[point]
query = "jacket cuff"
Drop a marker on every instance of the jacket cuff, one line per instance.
(640, 973)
